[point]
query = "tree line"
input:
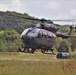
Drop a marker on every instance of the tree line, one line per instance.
(12, 27)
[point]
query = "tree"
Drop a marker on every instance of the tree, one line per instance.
(73, 40)
(9, 40)
(15, 23)
(2, 46)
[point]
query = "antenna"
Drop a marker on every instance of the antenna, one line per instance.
(73, 24)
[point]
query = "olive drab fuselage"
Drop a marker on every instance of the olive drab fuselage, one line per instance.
(38, 38)
(42, 36)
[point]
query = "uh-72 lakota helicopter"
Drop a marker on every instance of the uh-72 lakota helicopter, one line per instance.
(42, 35)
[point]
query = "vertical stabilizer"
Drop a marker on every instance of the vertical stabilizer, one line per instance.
(70, 31)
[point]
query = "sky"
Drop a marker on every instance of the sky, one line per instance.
(48, 9)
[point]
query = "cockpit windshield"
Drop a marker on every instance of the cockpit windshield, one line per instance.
(33, 33)
(25, 31)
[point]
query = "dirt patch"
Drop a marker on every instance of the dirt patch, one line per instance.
(71, 67)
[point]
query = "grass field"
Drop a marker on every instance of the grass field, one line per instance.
(12, 63)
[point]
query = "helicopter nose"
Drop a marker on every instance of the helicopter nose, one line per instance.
(25, 39)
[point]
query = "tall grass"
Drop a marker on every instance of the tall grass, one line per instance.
(47, 65)
(31, 67)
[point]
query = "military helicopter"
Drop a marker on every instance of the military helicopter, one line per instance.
(41, 35)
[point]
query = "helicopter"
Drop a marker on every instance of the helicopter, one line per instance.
(41, 35)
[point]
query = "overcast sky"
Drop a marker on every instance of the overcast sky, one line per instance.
(49, 9)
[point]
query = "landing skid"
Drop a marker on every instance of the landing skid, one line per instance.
(26, 50)
(32, 50)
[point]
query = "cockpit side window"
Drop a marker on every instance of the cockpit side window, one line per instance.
(33, 33)
(25, 32)
(44, 34)
(49, 35)
(40, 34)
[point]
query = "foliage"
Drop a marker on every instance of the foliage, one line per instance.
(11, 27)
(62, 28)
(73, 40)
(9, 40)
(15, 23)
(63, 47)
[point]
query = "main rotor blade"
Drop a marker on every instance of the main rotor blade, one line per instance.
(21, 17)
(66, 20)
(42, 19)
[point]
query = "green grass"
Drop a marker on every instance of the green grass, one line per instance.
(31, 68)
(15, 55)
(37, 64)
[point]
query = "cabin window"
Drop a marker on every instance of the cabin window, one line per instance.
(44, 34)
(39, 35)
(49, 35)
